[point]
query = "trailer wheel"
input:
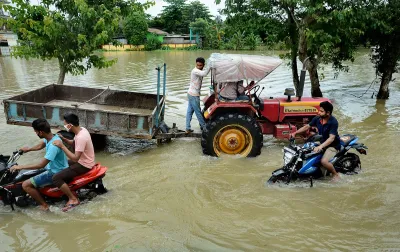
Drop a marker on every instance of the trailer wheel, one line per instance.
(234, 134)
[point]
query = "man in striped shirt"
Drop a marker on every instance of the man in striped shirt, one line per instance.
(196, 80)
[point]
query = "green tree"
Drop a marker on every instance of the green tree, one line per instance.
(252, 41)
(177, 16)
(193, 11)
(384, 34)
(238, 40)
(172, 16)
(135, 28)
(67, 30)
(3, 17)
(200, 26)
(321, 31)
(214, 34)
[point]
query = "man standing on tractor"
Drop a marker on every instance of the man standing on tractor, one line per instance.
(196, 80)
(327, 126)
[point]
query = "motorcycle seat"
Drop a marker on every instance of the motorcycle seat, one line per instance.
(346, 139)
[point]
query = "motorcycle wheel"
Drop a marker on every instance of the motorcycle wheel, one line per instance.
(99, 187)
(282, 178)
(22, 201)
(91, 195)
(349, 164)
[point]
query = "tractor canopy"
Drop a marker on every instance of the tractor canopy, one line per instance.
(237, 67)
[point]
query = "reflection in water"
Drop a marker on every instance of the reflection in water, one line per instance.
(171, 197)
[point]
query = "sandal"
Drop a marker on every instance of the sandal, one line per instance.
(69, 207)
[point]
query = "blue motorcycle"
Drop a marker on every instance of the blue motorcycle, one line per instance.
(301, 163)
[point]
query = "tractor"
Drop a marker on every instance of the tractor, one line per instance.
(237, 127)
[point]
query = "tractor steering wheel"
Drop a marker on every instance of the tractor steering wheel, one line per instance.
(256, 88)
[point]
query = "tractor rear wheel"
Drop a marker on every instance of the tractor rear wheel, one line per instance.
(234, 134)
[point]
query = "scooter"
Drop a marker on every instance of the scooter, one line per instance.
(86, 186)
(301, 163)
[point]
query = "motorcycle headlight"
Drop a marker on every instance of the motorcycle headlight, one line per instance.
(287, 157)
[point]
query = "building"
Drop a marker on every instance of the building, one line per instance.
(7, 41)
(151, 32)
(171, 41)
(181, 41)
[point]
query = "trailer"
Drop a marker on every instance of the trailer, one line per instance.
(101, 111)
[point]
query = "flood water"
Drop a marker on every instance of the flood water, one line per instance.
(173, 198)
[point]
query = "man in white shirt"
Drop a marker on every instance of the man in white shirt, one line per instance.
(196, 80)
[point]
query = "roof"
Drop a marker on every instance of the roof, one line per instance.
(157, 31)
(236, 67)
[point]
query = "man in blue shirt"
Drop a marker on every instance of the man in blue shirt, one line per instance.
(54, 161)
(327, 126)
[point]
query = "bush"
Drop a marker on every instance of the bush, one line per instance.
(190, 48)
(228, 46)
(152, 43)
(252, 41)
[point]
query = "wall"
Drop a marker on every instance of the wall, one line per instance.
(122, 48)
(174, 46)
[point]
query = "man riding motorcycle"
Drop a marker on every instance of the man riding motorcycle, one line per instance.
(54, 161)
(327, 126)
(81, 161)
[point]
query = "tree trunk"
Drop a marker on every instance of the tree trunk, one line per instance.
(384, 89)
(311, 64)
(61, 76)
(315, 90)
(62, 73)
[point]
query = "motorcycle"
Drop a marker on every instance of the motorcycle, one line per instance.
(86, 186)
(300, 162)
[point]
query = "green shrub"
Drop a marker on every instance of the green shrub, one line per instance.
(152, 43)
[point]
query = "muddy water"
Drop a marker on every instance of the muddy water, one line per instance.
(172, 198)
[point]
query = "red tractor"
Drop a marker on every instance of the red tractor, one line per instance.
(237, 127)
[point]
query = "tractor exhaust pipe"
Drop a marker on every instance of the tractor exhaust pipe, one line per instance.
(300, 88)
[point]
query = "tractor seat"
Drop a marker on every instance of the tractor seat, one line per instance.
(346, 139)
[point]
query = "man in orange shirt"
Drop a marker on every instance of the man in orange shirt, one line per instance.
(80, 162)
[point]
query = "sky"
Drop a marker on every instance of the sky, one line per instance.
(156, 9)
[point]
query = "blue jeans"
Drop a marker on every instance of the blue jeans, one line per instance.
(194, 107)
(43, 179)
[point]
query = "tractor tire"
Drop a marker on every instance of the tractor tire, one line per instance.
(234, 134)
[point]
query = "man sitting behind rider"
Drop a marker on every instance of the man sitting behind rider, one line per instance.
(54, 161)
(80, 162)
(232, 91)
(327, 126)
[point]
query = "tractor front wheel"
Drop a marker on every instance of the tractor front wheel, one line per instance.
(234, 134)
